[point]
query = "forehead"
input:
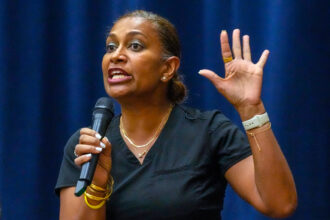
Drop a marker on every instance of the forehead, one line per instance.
(134, 24)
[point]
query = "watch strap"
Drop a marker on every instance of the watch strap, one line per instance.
(256, 121)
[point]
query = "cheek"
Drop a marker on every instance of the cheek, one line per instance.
(105, 62)
(150, 67)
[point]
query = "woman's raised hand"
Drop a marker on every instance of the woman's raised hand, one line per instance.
(242, 83)
(90, 143)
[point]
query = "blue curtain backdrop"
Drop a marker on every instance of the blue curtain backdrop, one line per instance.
(50, 78)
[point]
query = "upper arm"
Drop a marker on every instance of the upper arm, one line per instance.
(69, 203)
(241, 178)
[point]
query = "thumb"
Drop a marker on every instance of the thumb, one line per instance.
(213, 77)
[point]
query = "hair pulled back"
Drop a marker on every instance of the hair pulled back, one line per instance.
(169, 39)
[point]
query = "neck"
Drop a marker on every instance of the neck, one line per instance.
(142, 120)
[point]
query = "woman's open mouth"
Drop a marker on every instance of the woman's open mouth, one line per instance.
(117, 75)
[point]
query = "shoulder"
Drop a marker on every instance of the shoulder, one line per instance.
(71, 143)
(74, 139)
(212, 118)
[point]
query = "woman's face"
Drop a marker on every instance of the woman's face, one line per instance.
(132, 65)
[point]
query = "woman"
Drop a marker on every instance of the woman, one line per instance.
(169, 161)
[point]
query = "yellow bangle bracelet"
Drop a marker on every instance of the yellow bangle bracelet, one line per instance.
(93, 206)
(93, 190)
(96, 198)
(97, 188)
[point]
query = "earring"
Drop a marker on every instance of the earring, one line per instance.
(164, 78)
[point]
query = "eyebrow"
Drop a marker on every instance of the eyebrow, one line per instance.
(131, 33)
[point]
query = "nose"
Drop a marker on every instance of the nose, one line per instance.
(118, 55)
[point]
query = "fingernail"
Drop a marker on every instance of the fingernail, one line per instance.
(223, 31)
(102, 145)
(199, 72)
(99, 149)
(98, 136)
(88, 155)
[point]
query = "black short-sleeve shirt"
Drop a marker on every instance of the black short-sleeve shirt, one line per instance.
(182, 176)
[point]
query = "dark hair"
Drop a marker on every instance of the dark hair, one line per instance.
(177, 91)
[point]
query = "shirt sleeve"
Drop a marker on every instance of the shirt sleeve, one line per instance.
(69, 171)
(229, 142)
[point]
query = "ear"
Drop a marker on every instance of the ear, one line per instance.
(171, 65)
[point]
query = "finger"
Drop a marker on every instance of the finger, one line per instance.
(82, 159)
(246, 48)
(225, 47)
(263, 59)
(90, 132)
(81, 149)
(237, 50)
(213, 77)
(90, 140)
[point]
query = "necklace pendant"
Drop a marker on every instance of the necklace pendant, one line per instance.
(140, 155)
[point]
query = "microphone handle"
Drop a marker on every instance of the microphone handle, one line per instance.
(86, 175)
(100, 124)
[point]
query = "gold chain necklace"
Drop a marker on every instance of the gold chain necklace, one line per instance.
(153, 137)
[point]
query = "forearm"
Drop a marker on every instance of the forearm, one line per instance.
(90, 205)
(273, 178)
(86, 213)
(89, 213)
(72, 207)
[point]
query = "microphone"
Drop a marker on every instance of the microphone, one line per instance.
(102, 114)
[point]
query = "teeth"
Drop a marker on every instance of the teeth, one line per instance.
(116, 72)
(118, 76)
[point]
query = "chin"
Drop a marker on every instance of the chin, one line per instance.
(118, 93)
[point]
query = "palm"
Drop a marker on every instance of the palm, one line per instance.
(243, 79)
(242, 83)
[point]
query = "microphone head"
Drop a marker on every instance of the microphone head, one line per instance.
(102, 114)
(104, 103)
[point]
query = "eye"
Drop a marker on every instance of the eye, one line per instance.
(136, 46)
(111, 47)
